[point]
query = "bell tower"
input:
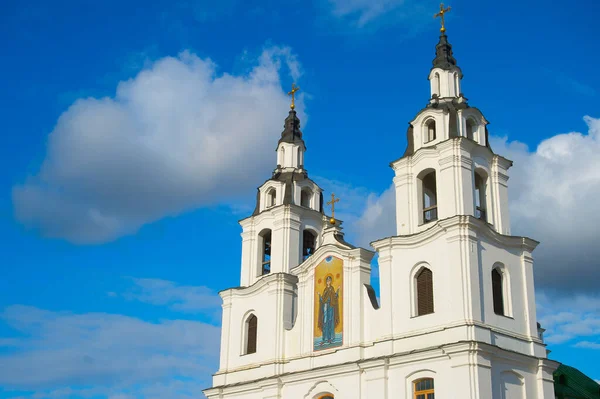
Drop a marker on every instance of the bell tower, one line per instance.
(448, 167)
(286, 225)
(454, 261)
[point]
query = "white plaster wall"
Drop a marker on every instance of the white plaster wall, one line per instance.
(462, 371)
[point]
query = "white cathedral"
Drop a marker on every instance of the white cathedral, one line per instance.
(456, 314)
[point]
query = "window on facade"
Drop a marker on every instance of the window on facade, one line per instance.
(251, 334)
(308, 244)
(326, 396)
(424, 282)
(305, 196)
(266, 252)
(271, 197)
(423, 389)
(480, 199)
(470, 129)
(429, 197)
(430, 131)
(498, 292)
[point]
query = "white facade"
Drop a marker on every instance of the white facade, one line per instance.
(457, 304)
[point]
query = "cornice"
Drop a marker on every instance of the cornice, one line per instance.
(309, 264)
(392, 359)
(462, 142)
(460, 221)
(260, 285)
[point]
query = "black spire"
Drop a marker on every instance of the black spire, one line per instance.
(291, 132)
(443, 54)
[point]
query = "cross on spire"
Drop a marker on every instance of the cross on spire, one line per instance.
(441, 15)
(293, 94)
(332, 204)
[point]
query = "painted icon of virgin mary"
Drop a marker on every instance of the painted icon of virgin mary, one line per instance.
(329, 312)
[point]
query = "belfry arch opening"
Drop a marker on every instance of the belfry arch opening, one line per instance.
(455, 80)
(305, 197)
(471, 129)
(271, 197)
(281, 156)
(309, 242)
(428, 193)
(265, 251)
(480, 195)
(437, 88)
(430, 131)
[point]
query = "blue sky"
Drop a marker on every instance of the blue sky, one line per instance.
(136, 134)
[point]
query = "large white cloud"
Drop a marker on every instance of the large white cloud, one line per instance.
(176, 136)
(553, 194)
(61, 354)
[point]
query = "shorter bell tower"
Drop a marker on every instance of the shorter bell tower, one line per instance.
(286, 225)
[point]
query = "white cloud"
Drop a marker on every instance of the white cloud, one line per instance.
(191, 299)
(588, 345)
(553, 194)
(568, 318)
(114, 354)
(361, 13)
(162, 145)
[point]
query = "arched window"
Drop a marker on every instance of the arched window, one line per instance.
(326, 396)
(423, 389)
(282, 156)
(429, 131)
(471, 128)
(271, 198)
(300, 160)
(265, 244)
(251, 334)
(305, 196)
(498, 291)
(424, 285)
(308, 244)
(429, 197)
(480, 197)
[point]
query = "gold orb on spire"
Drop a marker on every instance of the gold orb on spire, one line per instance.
(293, 94)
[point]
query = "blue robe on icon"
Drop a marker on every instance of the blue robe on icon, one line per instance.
(329, 314)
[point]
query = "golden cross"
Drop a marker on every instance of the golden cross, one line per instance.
(332, 203)
(293, 94)
(441, 14)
